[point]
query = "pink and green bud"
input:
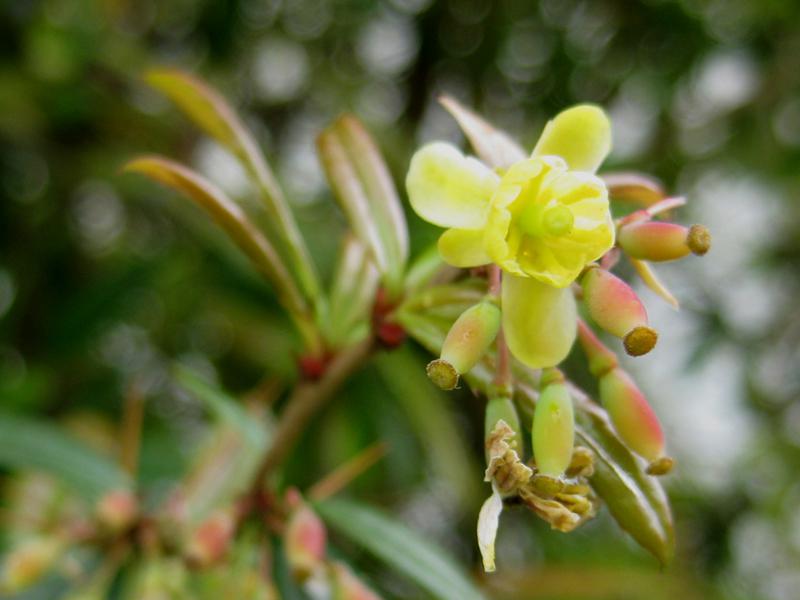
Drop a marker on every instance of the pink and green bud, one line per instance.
(502, 408)
(660, 241)
(553, 429)
(601, 359)
(117, 510)
(467, 341)
(616, 308)
(209, 543)
(29, 562)
(346, 586)
(632, 416)
(305, 538)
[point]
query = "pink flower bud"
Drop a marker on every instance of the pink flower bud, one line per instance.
(209, 543)
(117, 510)
(660, 241)
(553, 430)
(601, 359)
(634, 420)
(467, 341)
(305, 539)
(616, 308)
(29, 562)
(346, 586)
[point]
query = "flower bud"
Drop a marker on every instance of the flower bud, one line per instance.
(659, 241)
(502, 408)
(117, 510)
(553, 430)
(633, 419)
(28, 562)
(467, 341)
(615, 307)
(346, 586)
(209, 543)
(305, 538)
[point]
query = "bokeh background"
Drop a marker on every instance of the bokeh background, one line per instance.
(106, 280)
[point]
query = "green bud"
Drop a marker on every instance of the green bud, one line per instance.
(502, 407)
(553, 430)
(467, 341)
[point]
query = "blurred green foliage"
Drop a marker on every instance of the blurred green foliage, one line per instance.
(106, 281)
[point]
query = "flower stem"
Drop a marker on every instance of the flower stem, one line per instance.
(502, 377)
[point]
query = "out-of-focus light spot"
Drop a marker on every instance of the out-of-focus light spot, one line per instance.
(751, 306)
(306, 19)
(381, 102)
(526, 51)
(786, 123)
(98, 216)
(387, 45)
(589, 32)
(469, 12)
(460, 40)
(411, 7)
(724, 81)
(280, 69)
(258, 14)
(633, 118)
(704, 139)
(24, 176)
(299, 166)
(8, 291)
(222, 168)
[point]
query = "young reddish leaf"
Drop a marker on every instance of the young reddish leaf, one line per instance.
(493, 146)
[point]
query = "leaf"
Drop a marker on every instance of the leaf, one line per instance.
(493, 146)
(367, 195)
(229, 216)
(232, 451)
(355, 283)
(29, 444)
(399, 547)
(651, 280)
(209, 110)
(636, 500)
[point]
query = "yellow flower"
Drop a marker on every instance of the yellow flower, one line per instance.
(542, 221)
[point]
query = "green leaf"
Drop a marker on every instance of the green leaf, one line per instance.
(636, 500)
(231, 454)
(229, 216)
(494, 147)
(29, 444)
(367, 195)
(209, 110)
(401, 548)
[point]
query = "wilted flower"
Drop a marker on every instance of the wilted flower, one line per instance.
(542, 221)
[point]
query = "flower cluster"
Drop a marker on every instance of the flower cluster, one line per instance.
(542, 227)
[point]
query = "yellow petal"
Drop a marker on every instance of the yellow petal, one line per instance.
(539, 321)
(581, 135)
(449, 189)
(463, 248)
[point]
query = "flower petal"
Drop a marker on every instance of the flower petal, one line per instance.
(581, 135)
(449, 189)
(539, 321)
(463, 248)
(488, 521)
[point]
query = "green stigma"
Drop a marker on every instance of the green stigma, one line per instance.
(538, 221)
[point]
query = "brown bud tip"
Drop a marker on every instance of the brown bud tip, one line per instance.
(699, 239)
(443, 374)
(312, 367)
(640, 340)
(390, 335)
(660, 466)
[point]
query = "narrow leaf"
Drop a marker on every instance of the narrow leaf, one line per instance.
(401, 548)
(363, 186)
(493, 146)
(229, 216)
(651, 280)
(209, 110)
(29, 444)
